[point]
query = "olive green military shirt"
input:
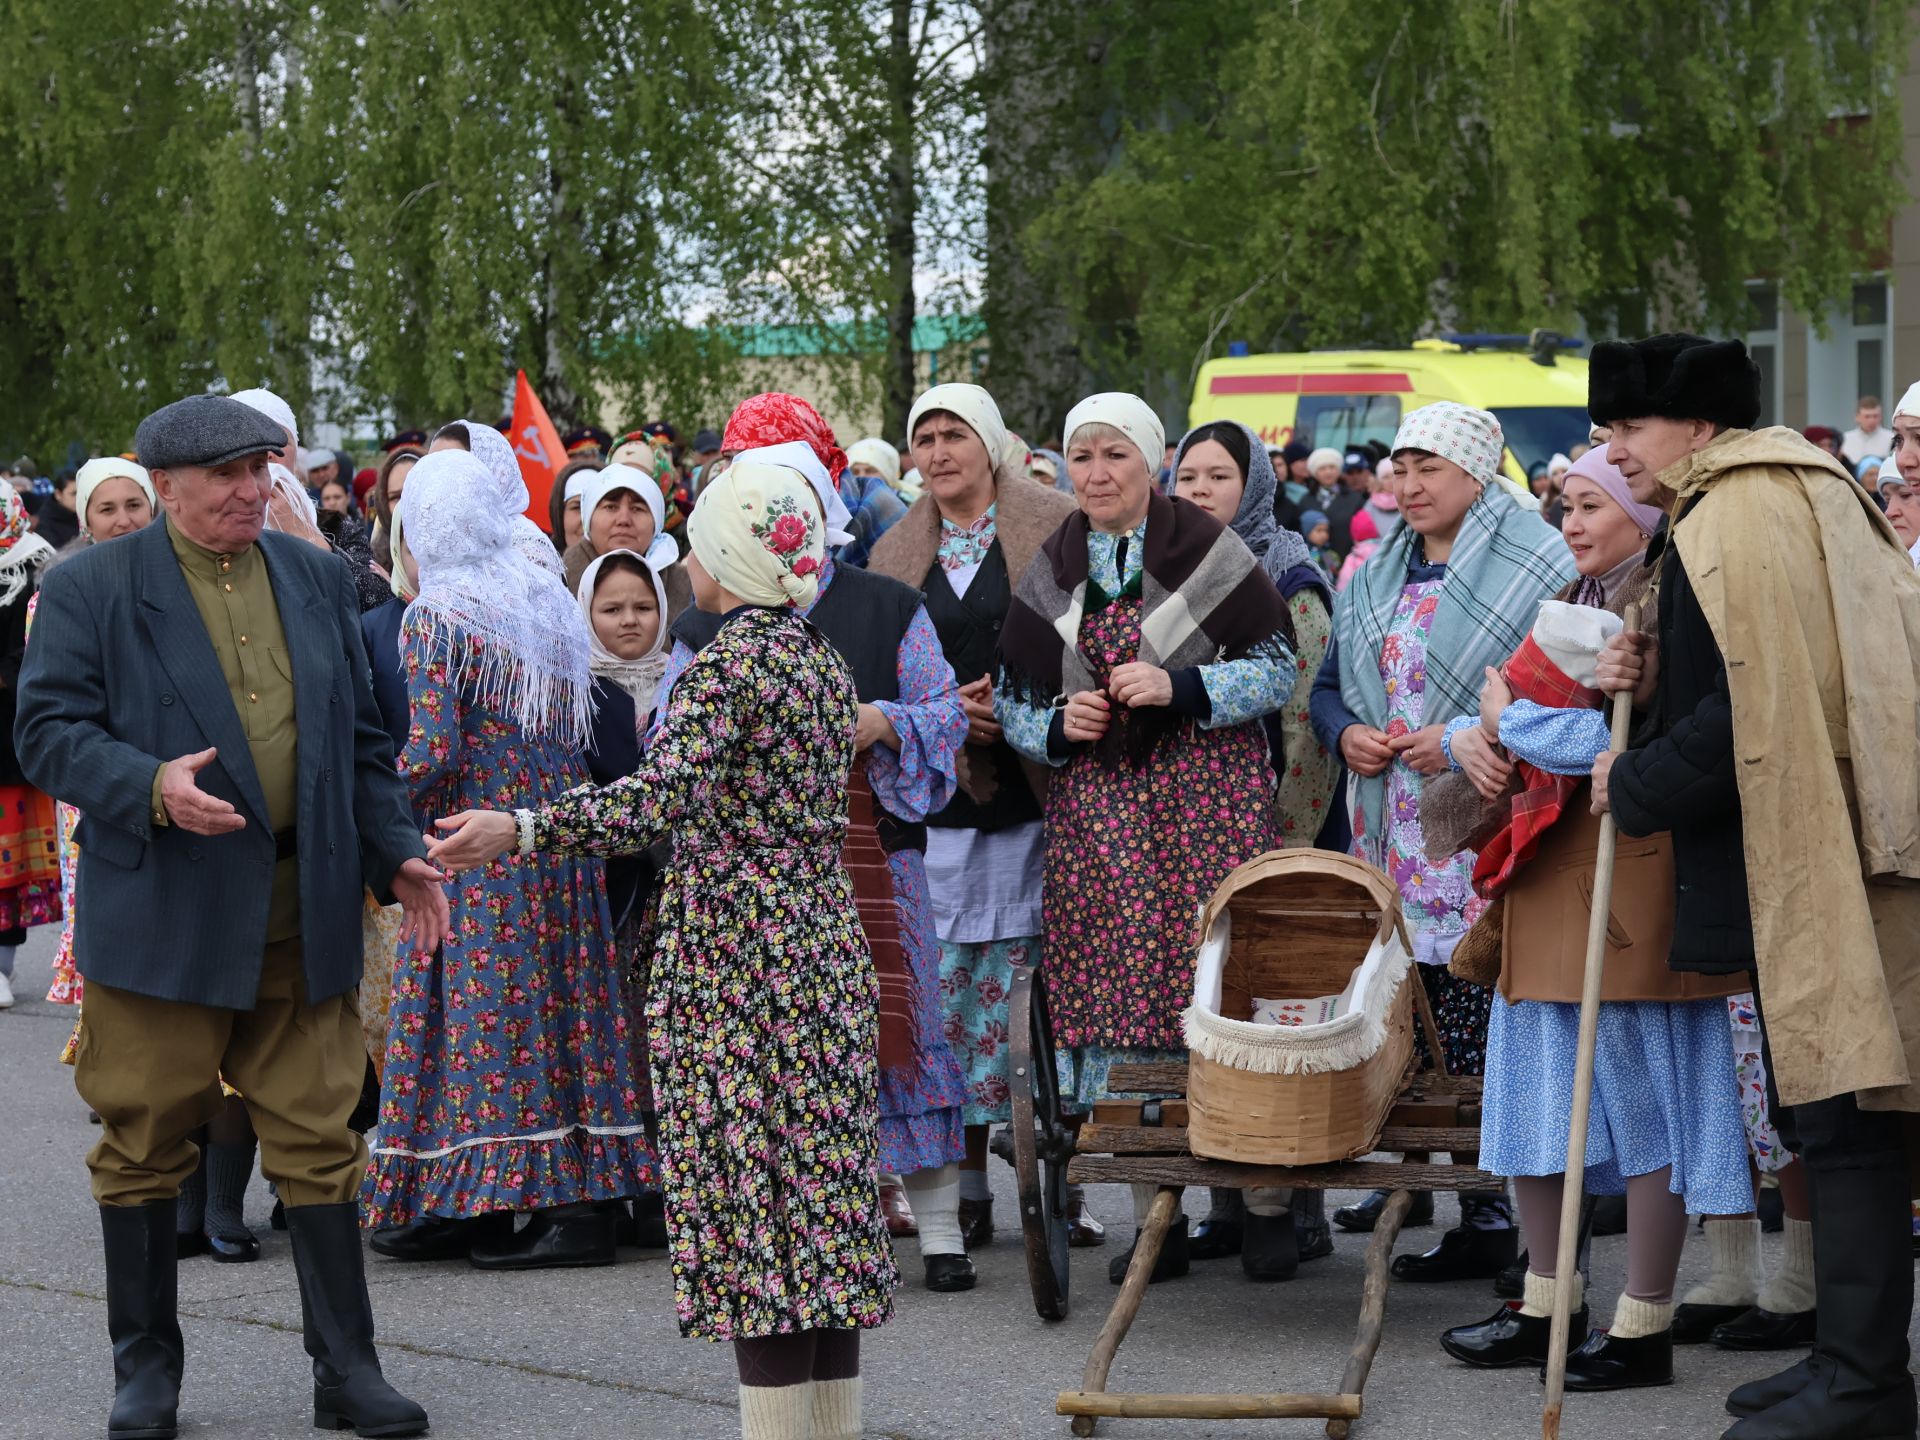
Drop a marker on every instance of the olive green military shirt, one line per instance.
(235, 599)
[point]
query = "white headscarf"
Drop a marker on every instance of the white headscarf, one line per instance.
(661, 551)
(639, 678)
(21, 550)
(495, 452)
(274, 408)
(1128, 414)
(758, 533)
(880, 455)
(109, 467)
(475, 586)
(536, 545)
(287, 485)
(798, 455)
(980, 412)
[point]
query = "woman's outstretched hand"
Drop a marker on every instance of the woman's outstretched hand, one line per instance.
(473, 837)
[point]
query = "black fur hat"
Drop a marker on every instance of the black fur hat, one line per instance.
(1681, 377)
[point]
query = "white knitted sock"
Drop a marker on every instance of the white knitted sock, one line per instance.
(1789, 1290)
(1537, 1292)
(1734, 1246)
(936, 1206)
(836, 1408)
(1634, 1319)
(1269, 1200)
(777, 1412)
(1142, 1203)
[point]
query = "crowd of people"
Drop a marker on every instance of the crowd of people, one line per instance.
(757, 769)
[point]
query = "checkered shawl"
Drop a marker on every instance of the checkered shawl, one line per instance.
(1204, 598)
(1504, 562)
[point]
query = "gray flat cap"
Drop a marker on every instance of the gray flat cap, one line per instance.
(204, 430)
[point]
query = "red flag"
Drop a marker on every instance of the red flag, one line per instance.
(537, 445)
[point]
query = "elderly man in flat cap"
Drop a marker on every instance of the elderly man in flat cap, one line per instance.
(200, 692)
(1779, 749)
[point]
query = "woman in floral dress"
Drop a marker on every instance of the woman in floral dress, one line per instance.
(762, 1021)
(511, 1080)
(1449, 593)
(910, 727)
(1162, 783)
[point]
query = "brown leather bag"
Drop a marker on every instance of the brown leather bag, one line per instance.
(1544, 942)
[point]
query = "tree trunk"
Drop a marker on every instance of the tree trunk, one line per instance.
(246, 77)
(1029, 90)
(902, 200)
(557, 392)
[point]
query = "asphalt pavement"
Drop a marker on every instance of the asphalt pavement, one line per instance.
(595, 1353)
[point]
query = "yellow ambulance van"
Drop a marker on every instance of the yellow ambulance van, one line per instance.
(1344, 398)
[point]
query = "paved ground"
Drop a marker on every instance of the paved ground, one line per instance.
(595, 1353)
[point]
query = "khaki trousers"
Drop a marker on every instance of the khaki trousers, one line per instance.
(151, 1068)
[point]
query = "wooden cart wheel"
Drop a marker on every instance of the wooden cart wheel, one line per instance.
(1042, 1142)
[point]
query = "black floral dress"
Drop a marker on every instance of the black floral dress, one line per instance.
(762, 1020)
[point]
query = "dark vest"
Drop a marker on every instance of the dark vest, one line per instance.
(866, 617)
(614, 755)
(969, 630)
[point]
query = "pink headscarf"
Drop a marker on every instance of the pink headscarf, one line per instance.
(1593, 468)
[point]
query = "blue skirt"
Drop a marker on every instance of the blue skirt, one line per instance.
(1665, 1092)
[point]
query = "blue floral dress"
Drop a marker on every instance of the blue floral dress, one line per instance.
(512, 1074)
(762, 1018)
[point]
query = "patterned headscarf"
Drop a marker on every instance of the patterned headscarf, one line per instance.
(503, 625)
(494, 451)
(775, 418)
(1470, 438)
(758, 533)
(21, 551)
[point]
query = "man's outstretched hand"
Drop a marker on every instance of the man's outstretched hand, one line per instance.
(421, 891)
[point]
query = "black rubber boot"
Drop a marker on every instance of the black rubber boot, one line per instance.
(143, 1320)
(1310, 1224)
(349, 1392)
(1172, 1262)
(1272, 1248)
(1222, 1232)
(229, 1168)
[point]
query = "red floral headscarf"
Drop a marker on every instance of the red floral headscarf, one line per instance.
(775, 419)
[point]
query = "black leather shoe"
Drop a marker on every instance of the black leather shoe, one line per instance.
(1511, 1283)
(143, 1320)
(1606, 1363)
(1757, 1395)
(561, 1237)
(1461, 1255)
(1764, 1330)
(435, 1237)
(1506, 1339)
(1272, 1248)
(1171, 1264)
(1216, 1239)
(976, 1223)
(1361, 1218)
(949, 1274)
(1695, 1324)
(1310, 1225)
(349, 1390)
(234, 1250)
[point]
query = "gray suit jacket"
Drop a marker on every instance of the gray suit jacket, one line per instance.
(119, 677)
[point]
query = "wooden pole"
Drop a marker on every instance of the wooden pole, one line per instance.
(1574, 1176)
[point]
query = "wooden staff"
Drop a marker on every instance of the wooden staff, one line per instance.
(1574, 1177)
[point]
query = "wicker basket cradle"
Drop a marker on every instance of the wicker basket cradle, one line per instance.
(1317, 938)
